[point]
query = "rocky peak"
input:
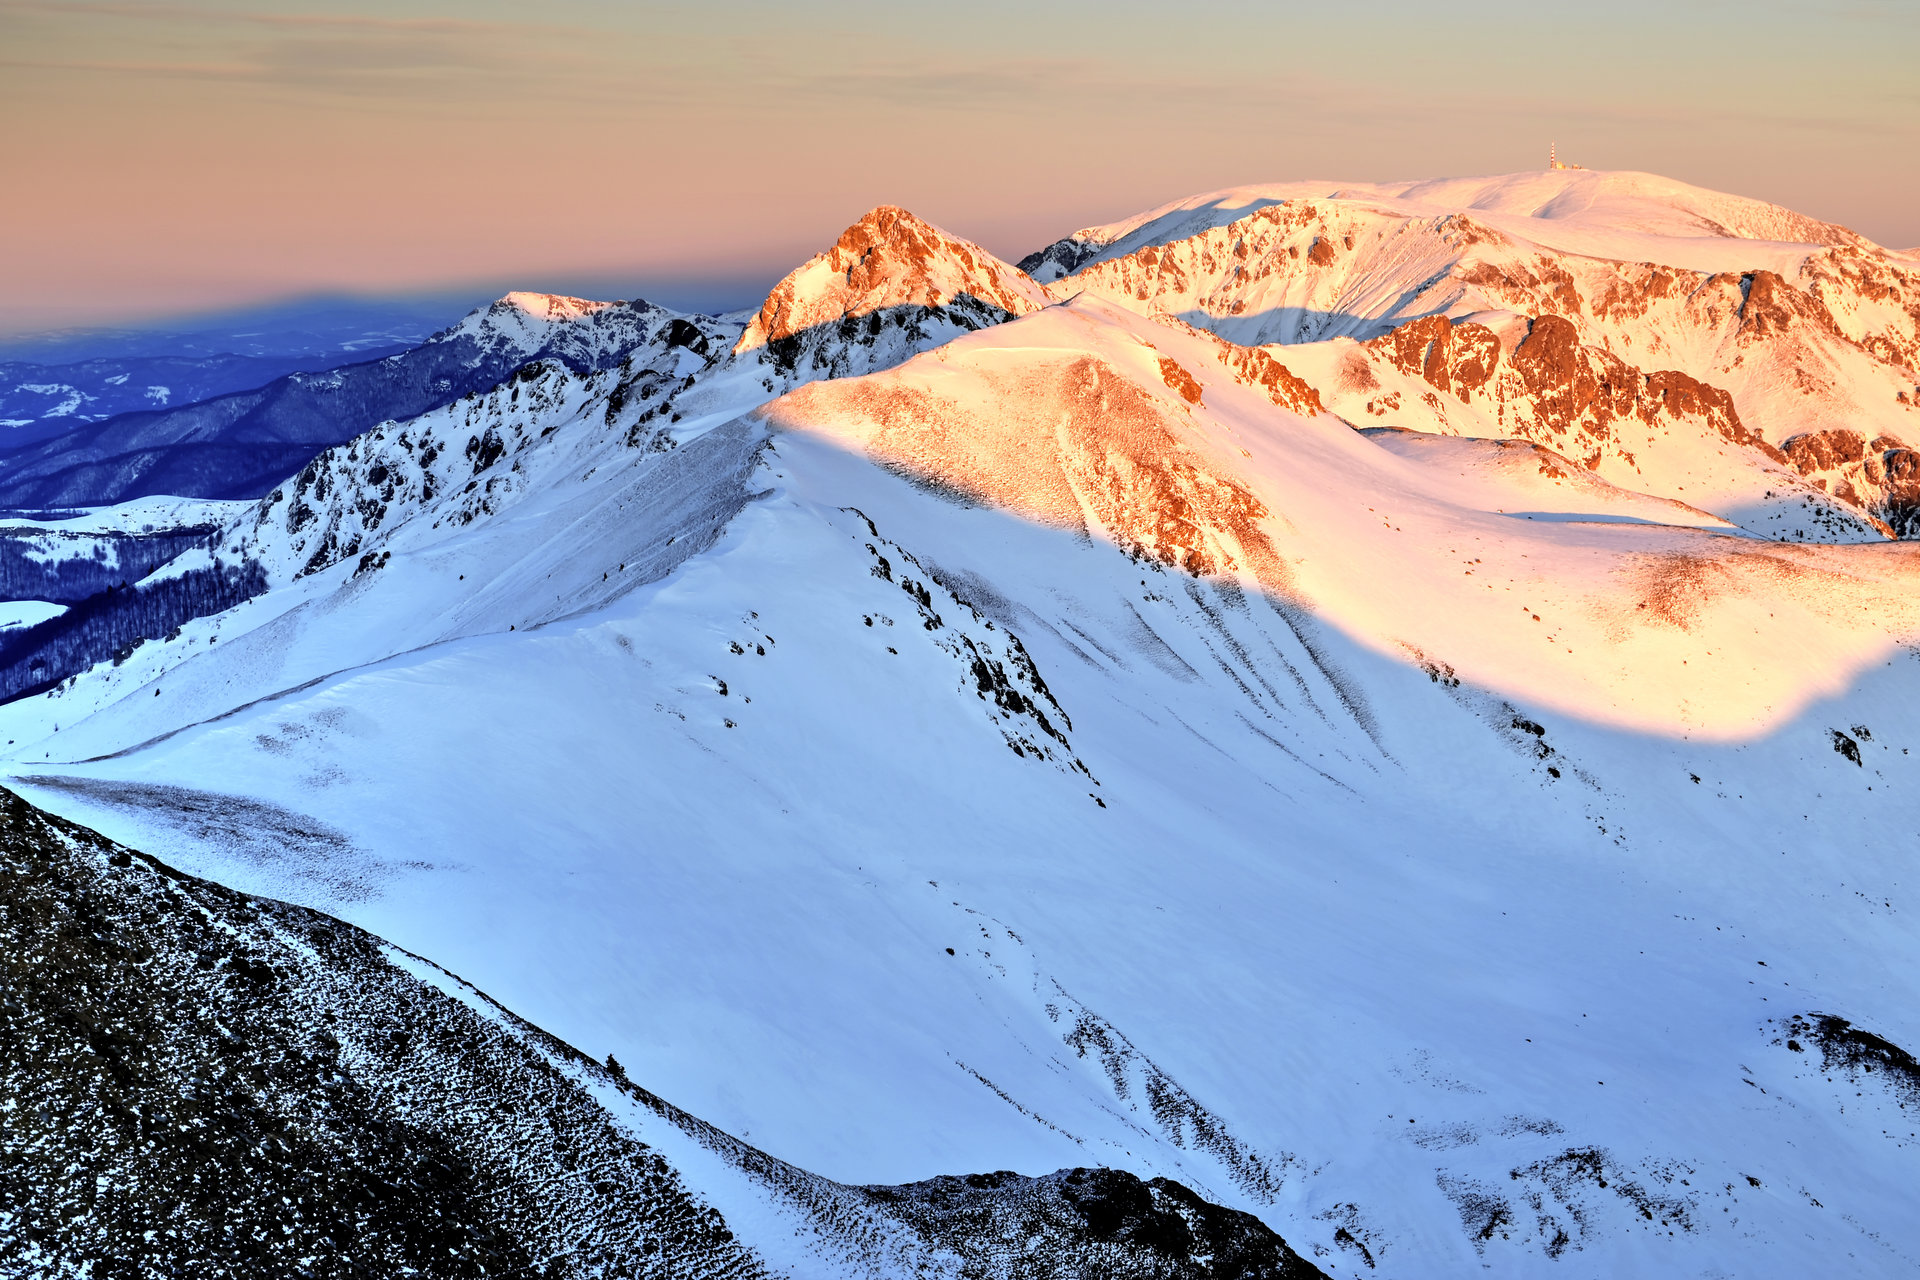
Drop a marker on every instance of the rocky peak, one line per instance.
(524, 326)
(891, 259)
(1770, 306)
(1060, 259)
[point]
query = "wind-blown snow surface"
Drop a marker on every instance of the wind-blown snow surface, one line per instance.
(1076, 745)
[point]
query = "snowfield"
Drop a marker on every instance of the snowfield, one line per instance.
(958, 721)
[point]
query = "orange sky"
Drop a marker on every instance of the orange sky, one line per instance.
(167, 157)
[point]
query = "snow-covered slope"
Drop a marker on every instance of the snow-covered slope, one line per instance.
(1072, 742)
(234, 1087)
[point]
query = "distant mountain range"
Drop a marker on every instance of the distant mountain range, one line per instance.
(51, 383)
(237, 444)
(1357, 729)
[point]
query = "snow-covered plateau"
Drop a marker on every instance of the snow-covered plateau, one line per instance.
(1386, 706)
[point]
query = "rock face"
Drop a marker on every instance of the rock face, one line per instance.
(1881, 476)
(1064, 437)
(1552, 386)
(1663, 433)
(891, 285)
(201, 1082)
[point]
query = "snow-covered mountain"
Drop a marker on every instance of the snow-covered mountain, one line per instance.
(239, 445)
(1812, 331)
(1373, 705)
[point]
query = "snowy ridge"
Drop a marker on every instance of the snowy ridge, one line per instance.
(1840, 336)
(440, 467)
(1576, 210)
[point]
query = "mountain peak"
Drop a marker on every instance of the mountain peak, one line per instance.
(556, 307)
(889, 258)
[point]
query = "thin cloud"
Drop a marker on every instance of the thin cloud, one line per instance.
(188, 70)
(348, 55)
(369, 22)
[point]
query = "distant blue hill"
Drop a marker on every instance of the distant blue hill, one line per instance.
(240, 443)
(52, 383)
(330, 329)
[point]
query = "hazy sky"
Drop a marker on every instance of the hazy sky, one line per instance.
(161, 157)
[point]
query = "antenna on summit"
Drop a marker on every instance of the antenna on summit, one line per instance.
(1555, 162)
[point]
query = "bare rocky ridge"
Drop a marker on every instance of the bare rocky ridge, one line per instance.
(1088, 1222)
(200, 1082)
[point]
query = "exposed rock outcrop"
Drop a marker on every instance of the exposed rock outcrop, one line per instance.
(1663, 432)
(1880, 476)
(1064, 438)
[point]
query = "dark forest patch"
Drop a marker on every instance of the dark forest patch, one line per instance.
(109, 626)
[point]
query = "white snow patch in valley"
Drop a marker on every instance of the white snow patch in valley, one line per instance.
(71, 398)
(139, 515)
(25, 613)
